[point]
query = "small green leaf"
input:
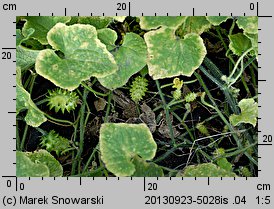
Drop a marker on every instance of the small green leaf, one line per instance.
(84, 56)
(130, 57)
(25, 167)
(121, 142)
(45, 158)
(248, 24)
(151, 22)
(108, 37)
(170, 56)
(217, 20)
(144, 169)
(206, 170)
(34, 117)
(196, 24)
(239, 43)
(98, 22)
(20, 37)
(249, 113)
(254, 42)
(42, 25)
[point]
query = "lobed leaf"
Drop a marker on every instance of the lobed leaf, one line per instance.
(98, 22)
(239, 43)
(249, 113)
(120, 143)
(169, 56)
(84, 56)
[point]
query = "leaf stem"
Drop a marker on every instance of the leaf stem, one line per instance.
(93, 91)
(166, 109)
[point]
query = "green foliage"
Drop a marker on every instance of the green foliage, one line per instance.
(84, 56)
(53, 142)
(249, 113)
(202, 129)
(37, 164)
(120, 143)
(61, 99)
(239, 43)
(206, 170)
(151, 22)
(222, 162)
(169, 56)
(177, 84)
(217, 20)
(34, 116)
(130, 57)
(138, 88)
(41, 26)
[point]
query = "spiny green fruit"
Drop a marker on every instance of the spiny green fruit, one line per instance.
(177, 94)
(202, 129)
(206, 170)
(190, 97)
(54, 142)
(138, 88)
(61, 99)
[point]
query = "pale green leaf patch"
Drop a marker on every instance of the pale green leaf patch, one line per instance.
(84, 56)
(120, 142)
(249, 113)
(239, 43)
(130, 57)
(98, 22)
(196, 24)
(25, 58)
(217, 20)
(34, 117)
(37, 164)
(42, 25)
(170, 56)
(248, 24)
(206, 170)
(119, 18)
(254, 42)
(108, 37)
(152, 22)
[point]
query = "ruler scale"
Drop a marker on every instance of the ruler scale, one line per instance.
(137, 192)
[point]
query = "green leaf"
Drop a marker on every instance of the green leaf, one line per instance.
(25, 58)
(20, 37)
(34, 117)
(45, 158)
(107, 37)
(249, 113)
(130, 57)
(84, 56)
(151, 22)
(170, 56)
(239, 43)
(196, 24)
(206, 170)
(98, 22)
(254, 42)
(42, 25)
(248, 24)
(121, 142)
(144, 169)
(26, 168)
(217, 20)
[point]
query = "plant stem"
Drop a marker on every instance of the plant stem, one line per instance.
(108, 107)
(24, 137)
(58, 120)
(90, 158)
(93, 91)
(167, 113)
